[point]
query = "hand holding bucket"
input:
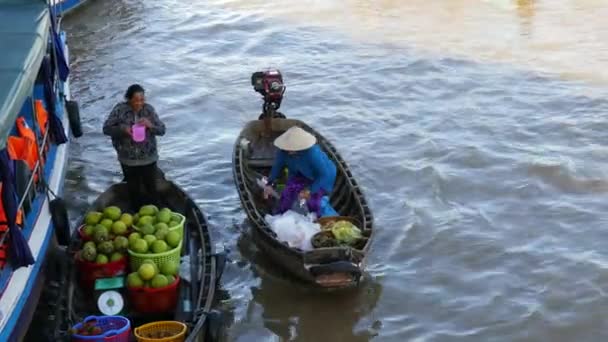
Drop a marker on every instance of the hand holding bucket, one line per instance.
(139, 132)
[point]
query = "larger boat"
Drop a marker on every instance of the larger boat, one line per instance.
(37, 120)
(64, 7)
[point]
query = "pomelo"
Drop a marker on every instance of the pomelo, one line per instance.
(121, 243)
(88, 253)
(119, 228)
(159, 281)
(171, 279)
(112, 212)
(151, 262)
(89, 244)
(140, 246)
(100, 234)
(148, 210)
(159, 246)
(101, 259)
(88, 230)
(133, 280)
(92, 218)
(164, 216)
(106, 247)
(133, 236)
(169, 268)
(146, 228)
(127, 219)
(173, 238)
(146, 271)
(116, 256)
(106, 222)
(161, 232)
(150, 239)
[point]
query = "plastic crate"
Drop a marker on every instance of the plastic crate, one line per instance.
(177, 328)
(136, 259)
(149, 300)
(88, 271)
(114, 329)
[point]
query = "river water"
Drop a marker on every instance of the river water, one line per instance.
(476, 129)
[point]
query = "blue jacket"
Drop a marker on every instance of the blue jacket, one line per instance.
(312, 164)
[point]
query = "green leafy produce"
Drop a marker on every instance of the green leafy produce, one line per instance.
(345, 232)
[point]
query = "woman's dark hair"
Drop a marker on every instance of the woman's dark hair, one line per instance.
(133, 88)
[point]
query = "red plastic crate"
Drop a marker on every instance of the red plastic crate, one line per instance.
(148, 300)
(88, 272)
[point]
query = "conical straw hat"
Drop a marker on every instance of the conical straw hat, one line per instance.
(295, 139)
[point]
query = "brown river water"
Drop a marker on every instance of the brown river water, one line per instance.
(476, 129)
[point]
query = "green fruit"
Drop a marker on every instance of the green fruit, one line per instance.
(171, 279)
(135, 219)
(173, 239)
(133, 237)
(121, 244)
(106, 247)
(106, 222)
(140, 246)
(176, 217)
(101, 259)
(88, 253)
(119, 228)
(146, 271)
(151, 262)
(148, 210)
(150, 239)
(163, 216)
(159, 246)
(173, 224)
(112, 212)
(116, 256)
(161, 231)
(92, 218)
(88, 230)
(89, 244)
(127, 219)
(147, 229)
(159, 281)
(133, 280)
(145, 220)
(100, 234)
(169, 268)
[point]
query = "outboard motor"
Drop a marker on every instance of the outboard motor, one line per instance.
(270, 85)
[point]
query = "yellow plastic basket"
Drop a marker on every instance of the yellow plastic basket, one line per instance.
(177, 329)
(136, 259)
(179, 228)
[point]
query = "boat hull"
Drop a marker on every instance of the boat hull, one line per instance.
(338, 267)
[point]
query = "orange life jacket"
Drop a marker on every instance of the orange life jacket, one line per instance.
(42, 116)
(3, 220)
(30, 153)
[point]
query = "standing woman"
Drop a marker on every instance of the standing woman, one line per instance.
(133, 126)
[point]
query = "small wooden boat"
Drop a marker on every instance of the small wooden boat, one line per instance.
(196, 298)
(333, 267)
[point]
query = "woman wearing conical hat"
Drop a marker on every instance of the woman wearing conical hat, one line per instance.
(311, 174)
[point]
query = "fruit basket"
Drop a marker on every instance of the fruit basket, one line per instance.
(154, 300)
(173, 255)
(90, 271)
(104, 328)
(152, 332)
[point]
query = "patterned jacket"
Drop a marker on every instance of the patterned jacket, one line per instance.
(129, 152)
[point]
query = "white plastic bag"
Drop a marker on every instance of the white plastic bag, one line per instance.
(295, 229)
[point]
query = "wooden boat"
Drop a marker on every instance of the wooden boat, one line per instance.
(196, 298)
(335, 267)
